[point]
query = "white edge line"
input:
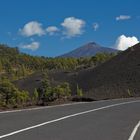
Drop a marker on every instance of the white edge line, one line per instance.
(53, 106)
(134, 131)
(39, 108)
(66, 117)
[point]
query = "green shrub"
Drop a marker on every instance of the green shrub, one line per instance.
(10, 95)
(129, 93)
(62, 90)
(79, 92)
(35, 96)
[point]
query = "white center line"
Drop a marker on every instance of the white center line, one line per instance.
(66, 117)
(132, 136)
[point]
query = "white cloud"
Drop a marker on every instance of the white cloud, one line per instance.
(123, 17)
(51, 30)
(73, 26)
(95, 26)
(9, 33)
(124, 42)
(32, 28)
(33, 46)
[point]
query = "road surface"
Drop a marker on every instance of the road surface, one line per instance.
(101, 120)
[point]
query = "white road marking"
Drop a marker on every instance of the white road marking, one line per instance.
(132, 136)
(39, 108)
(66, 117)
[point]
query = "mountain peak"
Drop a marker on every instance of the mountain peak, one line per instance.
(88, 50)
(92, 43)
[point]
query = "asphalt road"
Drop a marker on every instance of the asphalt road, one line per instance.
(102, 120)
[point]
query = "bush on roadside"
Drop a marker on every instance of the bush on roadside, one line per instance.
(10, 96)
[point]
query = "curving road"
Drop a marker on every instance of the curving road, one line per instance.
(101, 120)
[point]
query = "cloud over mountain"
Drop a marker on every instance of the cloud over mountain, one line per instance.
(73, 26)
(95, 26)
(123, 17)
(123, 42)
(51, 30)
(33, 46)
(32, 28)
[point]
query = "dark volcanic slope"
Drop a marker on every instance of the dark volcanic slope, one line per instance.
(115, 78)
(87, 50)
(30, 83)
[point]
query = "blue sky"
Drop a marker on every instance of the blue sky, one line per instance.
(53, 27)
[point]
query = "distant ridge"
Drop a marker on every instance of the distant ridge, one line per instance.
(87, 50)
